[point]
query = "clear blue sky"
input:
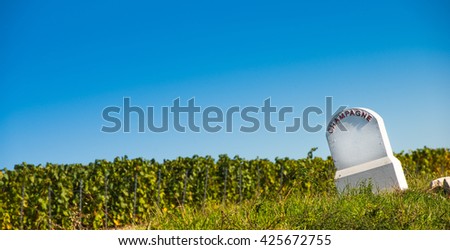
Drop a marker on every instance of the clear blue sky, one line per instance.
(63, 62)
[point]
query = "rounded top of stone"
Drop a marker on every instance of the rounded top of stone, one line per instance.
(356, 136)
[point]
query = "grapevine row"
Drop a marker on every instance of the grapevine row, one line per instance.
(106, 194)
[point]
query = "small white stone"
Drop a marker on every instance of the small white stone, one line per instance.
(441, 182)
(362, 152)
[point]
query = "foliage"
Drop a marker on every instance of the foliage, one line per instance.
(106, 194)
(414, 209)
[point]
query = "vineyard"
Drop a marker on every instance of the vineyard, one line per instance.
(113, 194)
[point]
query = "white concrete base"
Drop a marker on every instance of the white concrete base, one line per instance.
(385, 174)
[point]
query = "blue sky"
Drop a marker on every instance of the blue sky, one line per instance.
(63, 62)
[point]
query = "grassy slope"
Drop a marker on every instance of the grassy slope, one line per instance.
(416, 208)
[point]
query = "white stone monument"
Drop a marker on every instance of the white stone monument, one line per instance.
(362, 153)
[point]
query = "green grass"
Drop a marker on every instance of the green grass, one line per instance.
(416, 208)
(260, 194)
